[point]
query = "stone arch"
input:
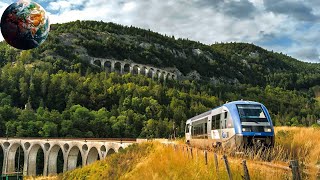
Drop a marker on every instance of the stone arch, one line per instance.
(55, 163)
(15, 159)
(103, 151)
(167, 76)
(73, 158)
(126, 68)
(93, 155)
(97, 62)
(66, 147)
(117, 67)
(143, 70)
(33, 165)
(110, 151)
(135, 70)
(157, 74)
(107, 66)
(27, 145)
(84, 147)
(47, 146)
(150, 73)
(1, 158)
(162, 76)
(6, 145)
(120, 149)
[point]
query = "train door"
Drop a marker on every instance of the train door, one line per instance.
(223, 124)
(215, 126)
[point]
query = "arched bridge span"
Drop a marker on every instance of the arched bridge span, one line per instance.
(123, 67)
(23, 154)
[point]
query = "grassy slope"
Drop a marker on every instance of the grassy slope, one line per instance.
(114, 166)
(299, 143)
(157, 161)
(166, 163)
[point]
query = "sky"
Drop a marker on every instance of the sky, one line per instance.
(288, 26)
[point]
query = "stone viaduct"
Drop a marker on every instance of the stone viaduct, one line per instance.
(126, 66)
(72, 153)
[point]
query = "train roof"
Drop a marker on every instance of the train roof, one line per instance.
(226, 104)
(241, 102)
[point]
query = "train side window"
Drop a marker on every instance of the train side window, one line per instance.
(205, 128)
(225, 115)
(187, 128)
(218, 121)
(212, 122)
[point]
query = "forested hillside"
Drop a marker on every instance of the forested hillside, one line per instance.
(53, 91)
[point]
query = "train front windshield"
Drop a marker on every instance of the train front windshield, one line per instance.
(251, 113)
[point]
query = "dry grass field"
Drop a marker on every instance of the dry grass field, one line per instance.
(154, 160)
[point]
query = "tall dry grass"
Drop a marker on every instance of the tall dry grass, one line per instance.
(169, 163)
(300, 143)
(157, 161)
(291, 143)
(112, 167)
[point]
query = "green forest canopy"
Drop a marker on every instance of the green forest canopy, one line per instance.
(52, 91)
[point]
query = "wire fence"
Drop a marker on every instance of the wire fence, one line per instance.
(192, 153)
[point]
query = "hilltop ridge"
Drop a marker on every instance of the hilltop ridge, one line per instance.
(221, 62)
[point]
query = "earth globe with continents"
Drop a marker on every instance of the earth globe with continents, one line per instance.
(25, 25)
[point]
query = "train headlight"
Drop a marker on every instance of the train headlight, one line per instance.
(267, 129)
(246, 129)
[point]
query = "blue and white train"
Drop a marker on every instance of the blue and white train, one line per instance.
(236, 124)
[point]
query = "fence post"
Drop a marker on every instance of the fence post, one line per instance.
(227, 166)
(205, 157)
(294, 165)
(191, 153)
(246, 175)
(216, 163)
(188, 152)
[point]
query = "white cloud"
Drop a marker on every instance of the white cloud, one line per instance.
(127, 7)
(64, 5)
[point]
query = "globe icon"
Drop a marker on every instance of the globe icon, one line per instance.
(25, 25)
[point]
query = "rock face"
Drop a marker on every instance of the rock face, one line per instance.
(193, 75)
(214, 80)
(175, 71)
(254, 54)
(196, 52)
(145, 45)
